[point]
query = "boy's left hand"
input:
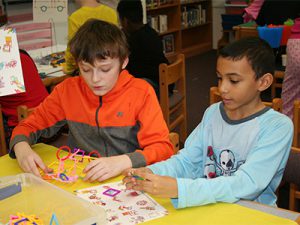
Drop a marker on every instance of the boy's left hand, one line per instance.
(106, 167)
(161, 186)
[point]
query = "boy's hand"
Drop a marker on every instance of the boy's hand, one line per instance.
(28, 160)
(161, 186)
(130, 176)
(106, 167)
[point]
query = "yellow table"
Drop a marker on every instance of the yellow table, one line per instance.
(214, 214)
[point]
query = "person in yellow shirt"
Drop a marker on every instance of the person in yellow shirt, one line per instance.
(88, 9)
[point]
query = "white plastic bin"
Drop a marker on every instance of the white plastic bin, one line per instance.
(42, 199)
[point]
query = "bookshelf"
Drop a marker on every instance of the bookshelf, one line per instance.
(185, 24)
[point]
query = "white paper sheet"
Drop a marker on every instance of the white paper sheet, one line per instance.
(11, 75)
(123, 207)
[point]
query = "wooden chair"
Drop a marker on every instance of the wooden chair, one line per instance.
(277, 82)
(23, 112)
(3, 147)
(174, 106)
(214, 97)
(174, 138)
(296, 121)
(241, 32)
(292, 176)
(31, 35)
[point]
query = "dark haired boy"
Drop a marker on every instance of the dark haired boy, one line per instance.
(106, 109)
(239, 150)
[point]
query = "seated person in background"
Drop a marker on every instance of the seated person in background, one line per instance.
(239, 150)
(88, 9)
(277, 11)
(35, 93)
(291, 80)
(106, 109)
(145, 46)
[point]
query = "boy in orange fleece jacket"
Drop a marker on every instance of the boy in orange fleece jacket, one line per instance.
(106, 109)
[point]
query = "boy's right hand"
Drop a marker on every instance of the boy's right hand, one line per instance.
(130, 180)
(28, 160)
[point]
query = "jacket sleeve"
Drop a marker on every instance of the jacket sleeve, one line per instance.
(45, 121)
(153, 135)
(265, 160)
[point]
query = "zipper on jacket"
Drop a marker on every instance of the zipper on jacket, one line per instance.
(100, 132)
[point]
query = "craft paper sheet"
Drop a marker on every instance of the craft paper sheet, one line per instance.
(50, 10)
(123, 207)
(11, 75)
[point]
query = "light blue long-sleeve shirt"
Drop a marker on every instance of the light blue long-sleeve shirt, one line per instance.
(227, 160)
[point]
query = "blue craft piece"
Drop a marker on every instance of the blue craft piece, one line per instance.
(10, 190)
(272, 35)
(54, 219)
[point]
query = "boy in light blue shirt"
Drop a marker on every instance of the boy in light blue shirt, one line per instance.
(240, 148)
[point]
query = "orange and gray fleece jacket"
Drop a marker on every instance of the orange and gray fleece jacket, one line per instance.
(127, 120)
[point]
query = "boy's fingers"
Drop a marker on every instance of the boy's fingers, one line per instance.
(126, 180)
(33, 164)
(129, 185)
(97, 175)
(105, 176)
(34, 169)
(92, 164)
(127, 172)
(48, 170)
(145, 175)
(93, 172)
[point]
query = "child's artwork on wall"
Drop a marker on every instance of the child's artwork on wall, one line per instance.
(11, 75)
(123, 207)
(50, 10)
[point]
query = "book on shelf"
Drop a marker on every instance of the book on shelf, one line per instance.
(155, 3)
(191, 1)
(158, 23)
(193, 16)
(163, 23)
(168, 43)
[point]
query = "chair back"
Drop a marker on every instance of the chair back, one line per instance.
(174, 106)
(174, 138)
(23, 112)
(296, 121)
(277, 82)
(3, 147)
(31, 35)
(215, 96)
(292, 176)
